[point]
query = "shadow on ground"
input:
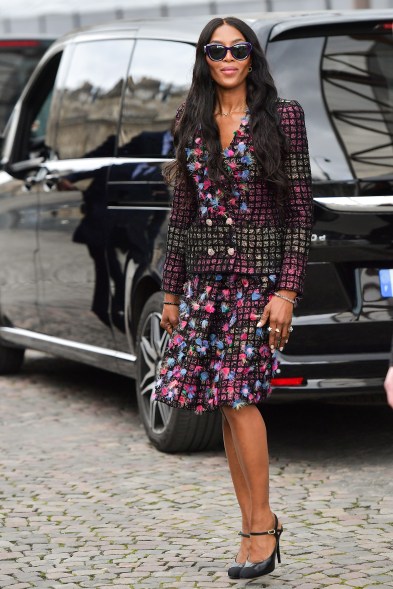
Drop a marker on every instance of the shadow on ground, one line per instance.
(315, 431)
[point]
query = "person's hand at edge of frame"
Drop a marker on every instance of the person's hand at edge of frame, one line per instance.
(389, 386)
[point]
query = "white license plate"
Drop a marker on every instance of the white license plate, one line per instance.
(386, 282)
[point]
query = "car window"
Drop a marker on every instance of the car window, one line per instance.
(91, 98)
(345, 84)
(40, 123)
(157, 84)
(18, 58)
(26, 134)
(357, 77)
(296, 69)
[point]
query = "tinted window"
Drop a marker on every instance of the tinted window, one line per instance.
(345, 84)
(157, 84)
(357, 76)
(32, 136)
(39, 126)
(18, 59)
(296, 68)
(91, 99)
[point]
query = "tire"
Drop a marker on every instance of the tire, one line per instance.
(11, 359)
(169, 429)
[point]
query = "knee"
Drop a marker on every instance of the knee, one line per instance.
(232, 415)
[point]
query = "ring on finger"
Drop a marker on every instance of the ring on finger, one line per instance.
(277, 330)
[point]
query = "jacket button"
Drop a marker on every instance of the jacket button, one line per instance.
(229, 221)
(231, 251)
(210, 251)
(209, 222)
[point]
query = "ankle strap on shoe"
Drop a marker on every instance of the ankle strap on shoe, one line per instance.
(243, 535)
(273, 532)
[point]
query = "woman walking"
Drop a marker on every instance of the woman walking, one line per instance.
(237, 248)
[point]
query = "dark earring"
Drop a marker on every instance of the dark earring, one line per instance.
(250, 69)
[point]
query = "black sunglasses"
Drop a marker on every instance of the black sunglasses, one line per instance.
(217, 52)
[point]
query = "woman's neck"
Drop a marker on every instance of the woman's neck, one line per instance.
(229, 101)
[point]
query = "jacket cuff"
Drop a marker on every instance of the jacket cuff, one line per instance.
(174, 274)
(166, 291)
(290, 280)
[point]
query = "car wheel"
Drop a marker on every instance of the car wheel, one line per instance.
(11, 359)
(169, 429)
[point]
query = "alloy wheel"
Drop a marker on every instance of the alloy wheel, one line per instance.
(153, 343)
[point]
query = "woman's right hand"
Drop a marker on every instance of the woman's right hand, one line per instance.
(170, 318)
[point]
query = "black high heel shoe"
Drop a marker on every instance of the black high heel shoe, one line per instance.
(236, 567)
(251, 570)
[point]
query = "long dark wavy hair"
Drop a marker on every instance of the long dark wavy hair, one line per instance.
(269, 141)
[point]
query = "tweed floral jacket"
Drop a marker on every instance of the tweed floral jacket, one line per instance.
(237, 227)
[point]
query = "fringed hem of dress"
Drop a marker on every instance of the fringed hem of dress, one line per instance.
(217, 355)
(199, 409)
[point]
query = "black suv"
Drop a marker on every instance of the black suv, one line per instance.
(84, 209)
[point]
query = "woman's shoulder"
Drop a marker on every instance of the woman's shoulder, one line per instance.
(289, 109)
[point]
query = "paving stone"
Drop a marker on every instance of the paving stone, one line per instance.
(87, 502)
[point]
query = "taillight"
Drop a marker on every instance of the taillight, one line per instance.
(294, 381)
(386, 26)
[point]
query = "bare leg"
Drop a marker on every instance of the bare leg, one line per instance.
(249, 439)
(241, 488)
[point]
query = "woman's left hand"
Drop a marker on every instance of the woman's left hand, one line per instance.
(278, 313)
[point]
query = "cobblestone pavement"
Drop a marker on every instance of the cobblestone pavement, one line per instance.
(86, 501)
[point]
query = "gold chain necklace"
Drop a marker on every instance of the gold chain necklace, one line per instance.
(226, 114)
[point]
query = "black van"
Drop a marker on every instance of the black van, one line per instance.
(84, 209)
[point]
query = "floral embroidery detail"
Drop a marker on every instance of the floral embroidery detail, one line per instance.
(218, 355)
(238, 160)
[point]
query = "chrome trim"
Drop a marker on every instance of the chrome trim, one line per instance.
(19, 336)
(329, 388)
(135, 182)
(289, 360)
(356, 203)
(120, 161)
(342, 383)
(144, 208)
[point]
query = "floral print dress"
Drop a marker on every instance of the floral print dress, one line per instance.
(217, 355)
